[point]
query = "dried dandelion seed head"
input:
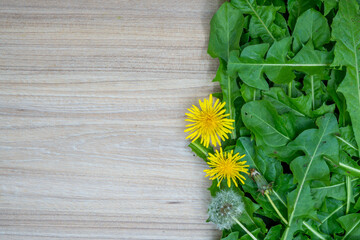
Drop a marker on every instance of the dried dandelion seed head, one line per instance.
(224, 207)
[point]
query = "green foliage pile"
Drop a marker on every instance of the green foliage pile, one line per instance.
(289, 74)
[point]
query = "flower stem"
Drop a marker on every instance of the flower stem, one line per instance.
(276, 209)
(244, 228)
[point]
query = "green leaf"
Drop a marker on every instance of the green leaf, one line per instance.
(347, 141)
(300, 106)
(270, 168)
(311, 26)
(268, 127)
(297, 7)
(249, 219)
(331, 210)
(200, 150)
(274, 233)
(230, 91)
(249, 93)
(316, 89)
(262, 21)
(314, 143)
(346, 32)
(232, 236)
(336, 189)
(225, 31)
(255, 233)
(312, 230)
(336, 78)
(251, 65)
(329, 5)
(351, 223)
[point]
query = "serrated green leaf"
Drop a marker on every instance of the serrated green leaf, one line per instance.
(346, 32)
(225, 31)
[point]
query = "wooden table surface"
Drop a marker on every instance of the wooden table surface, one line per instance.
(92, 102)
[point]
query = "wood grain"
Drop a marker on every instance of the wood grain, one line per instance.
(92, 102)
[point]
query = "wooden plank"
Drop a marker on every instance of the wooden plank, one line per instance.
(92, 102)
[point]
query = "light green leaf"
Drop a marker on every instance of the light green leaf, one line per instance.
(346, 32)
(225, 31)
(311, 26)
(351, 223)
(268, 127)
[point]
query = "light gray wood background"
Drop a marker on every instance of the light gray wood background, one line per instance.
(92, 102)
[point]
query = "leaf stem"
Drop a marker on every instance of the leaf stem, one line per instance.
(244, 228)
(276, 209)
(314, 231)
(348, 193)
(312, 92)
(289, 89)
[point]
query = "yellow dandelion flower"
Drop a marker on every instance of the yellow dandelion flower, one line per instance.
(226, 165)
(209, 122)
